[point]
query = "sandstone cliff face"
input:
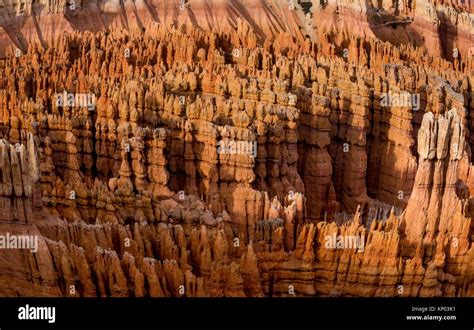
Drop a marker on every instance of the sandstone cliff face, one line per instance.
(444, 29)
(114, 154)
(45, 21)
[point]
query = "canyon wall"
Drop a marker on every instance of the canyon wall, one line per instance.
(445, 29)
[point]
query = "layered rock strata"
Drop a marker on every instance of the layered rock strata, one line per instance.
(186, 162)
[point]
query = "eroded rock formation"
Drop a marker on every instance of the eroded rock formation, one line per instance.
(232, 159)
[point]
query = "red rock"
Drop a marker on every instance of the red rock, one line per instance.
(131, 193)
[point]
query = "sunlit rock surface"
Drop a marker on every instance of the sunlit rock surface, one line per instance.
(113, 118)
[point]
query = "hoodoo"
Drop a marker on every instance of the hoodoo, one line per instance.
(237, 148)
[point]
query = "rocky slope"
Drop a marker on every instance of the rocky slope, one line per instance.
(445, 29)
(112, 154)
